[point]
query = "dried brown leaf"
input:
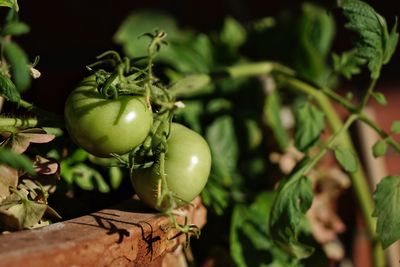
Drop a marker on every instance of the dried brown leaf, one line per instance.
(8, 178)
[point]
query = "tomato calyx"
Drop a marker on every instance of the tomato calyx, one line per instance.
(115, 76)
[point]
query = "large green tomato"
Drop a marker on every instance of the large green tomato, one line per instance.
(103, 126)
(187, 167)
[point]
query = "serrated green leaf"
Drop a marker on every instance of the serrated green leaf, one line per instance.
(348, 63)
(374, 43)
(8, 89)
(272, 114)
(10, 3)
(233, 34)
(380, 98)
(16, 161)
(310, 123)
(392, 41)
(387, 199)
(379, 149)
(15, 28)
(346, 159)
(294, 198)
(18, 60)
(395, 128)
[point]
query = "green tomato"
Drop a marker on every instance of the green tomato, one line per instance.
(103, 126)
(187, 167)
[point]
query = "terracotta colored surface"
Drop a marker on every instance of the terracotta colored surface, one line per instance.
(127, 235)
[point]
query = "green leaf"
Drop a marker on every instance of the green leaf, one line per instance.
(190, 85)
(115, 177)
(233, 34)
(294, 198)
(272, 114)
(374, 43)
(387, 210)
(15, 28)
(395, 128)
(380, 98)
(8, 89)
(141, 22)
(215, 196)
(186, 52)
(10, 3)
(191, 114)
(250, 242)
(348, 63)
(19, 65)
(89, 179)
(379, 148)
(221, 137)
(315, 30)
(79, 155)
(16, 161)
(309, 126)
(346, 159)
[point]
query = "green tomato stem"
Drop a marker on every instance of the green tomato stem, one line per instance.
(7, 123)
(384, 135)
(360, 184)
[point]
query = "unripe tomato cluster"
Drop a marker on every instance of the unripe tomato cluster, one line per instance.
(104, 126)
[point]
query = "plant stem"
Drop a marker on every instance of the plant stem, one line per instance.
(331, 142)
(395, 145)
(360, 184)
(17, 122)
(367, 95)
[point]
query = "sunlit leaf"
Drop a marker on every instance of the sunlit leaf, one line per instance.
(387, 198)
(346, 159)
(379, 149)
(9, 178)
(20, 141)
(10, 3)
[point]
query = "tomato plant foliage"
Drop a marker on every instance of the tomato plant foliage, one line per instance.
(243, 118)
(257, 103)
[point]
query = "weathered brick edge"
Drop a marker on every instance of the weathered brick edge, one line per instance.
(126, 235)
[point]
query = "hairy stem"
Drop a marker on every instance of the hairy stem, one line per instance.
(389, 140)
(360, 183)
(7, 123)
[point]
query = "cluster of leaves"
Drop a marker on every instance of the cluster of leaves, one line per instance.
(26, 180)
(263, 121)
(244, 119)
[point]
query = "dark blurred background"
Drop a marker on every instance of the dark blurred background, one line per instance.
(69, 34)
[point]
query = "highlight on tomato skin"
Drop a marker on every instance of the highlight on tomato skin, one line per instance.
(187, 167)
(104, 126)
